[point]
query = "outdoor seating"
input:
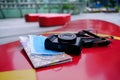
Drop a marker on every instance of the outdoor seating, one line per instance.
(48, 19)
(53, 19)
(31, 17)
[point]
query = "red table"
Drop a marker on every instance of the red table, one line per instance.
(97, 63)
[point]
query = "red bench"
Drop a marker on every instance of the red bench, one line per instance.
(48, 19)
(31, 17)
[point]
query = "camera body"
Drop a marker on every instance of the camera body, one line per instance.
(72, 43)
(66, 42)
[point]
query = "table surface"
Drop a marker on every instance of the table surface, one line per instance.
(96, 63)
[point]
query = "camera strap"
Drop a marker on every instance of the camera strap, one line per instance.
(90, 39)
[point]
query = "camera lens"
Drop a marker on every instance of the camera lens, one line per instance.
(67, 38)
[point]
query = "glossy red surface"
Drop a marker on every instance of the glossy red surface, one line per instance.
(99, 26)
(13, 57)
(97, 63)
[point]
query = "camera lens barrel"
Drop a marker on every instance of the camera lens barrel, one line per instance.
(67, 38)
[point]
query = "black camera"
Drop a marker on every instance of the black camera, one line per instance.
(72, 43)
(67, 42)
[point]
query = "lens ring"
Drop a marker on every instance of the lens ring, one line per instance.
(67, 37)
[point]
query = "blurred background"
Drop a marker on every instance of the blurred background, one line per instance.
(18, 8)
